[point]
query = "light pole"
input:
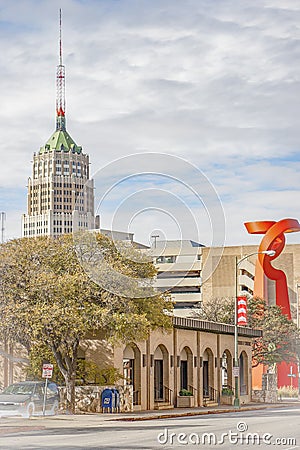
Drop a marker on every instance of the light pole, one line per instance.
(236, 350)
(297, 304)
(155, 237)
(2, 217)
(297, 321)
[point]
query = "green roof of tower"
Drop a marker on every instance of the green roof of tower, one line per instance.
(60, 141)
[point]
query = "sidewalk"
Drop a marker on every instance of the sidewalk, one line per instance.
(185, 412)
(16, 425)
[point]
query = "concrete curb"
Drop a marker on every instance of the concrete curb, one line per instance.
(198, 413)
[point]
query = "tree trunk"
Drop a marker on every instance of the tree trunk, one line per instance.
(67, 365)
(70, 394)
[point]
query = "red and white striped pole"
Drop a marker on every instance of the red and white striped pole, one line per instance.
(242, 310)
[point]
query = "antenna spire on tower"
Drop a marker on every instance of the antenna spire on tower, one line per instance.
(60, 86)
(60, 40)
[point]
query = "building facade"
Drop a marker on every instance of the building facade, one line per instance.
(195, 356)
(60, 195)
(195, 274)
(221, 282)
(179, 272)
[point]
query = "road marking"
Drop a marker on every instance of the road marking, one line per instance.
(12, 430)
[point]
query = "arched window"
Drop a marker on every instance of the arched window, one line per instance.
(226, 369)
(161, 374)
(186, 369)
(243, 363)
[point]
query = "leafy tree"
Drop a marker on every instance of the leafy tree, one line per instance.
(48, 300)
(87, 372)
(90, 373)
(280, 340)
(217, 310)
(280, 335)
(39, 355)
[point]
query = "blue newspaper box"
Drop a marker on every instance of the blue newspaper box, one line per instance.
(116, 400)
(108, 400)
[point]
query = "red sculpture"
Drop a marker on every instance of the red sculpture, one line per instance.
(273, 239)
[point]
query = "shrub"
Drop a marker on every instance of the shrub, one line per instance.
(185, 393)
(227, 391)
(288, 391)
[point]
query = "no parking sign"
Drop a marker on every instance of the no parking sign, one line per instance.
(47, 370)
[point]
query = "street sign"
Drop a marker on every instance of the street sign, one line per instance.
(236, 371)
(47, 370)
(46, 373)
(291, 375)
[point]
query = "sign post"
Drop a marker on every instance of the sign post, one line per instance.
(47, 373)
(291, 375)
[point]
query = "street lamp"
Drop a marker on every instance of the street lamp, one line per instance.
(155, 237)
(297, 304)
(236, 352)
(297, 311)
(2, 219)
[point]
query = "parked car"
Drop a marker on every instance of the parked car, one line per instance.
(26, 399)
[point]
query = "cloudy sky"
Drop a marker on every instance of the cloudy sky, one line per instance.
(215, 83)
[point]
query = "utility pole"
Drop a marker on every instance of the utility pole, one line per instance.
(2, 218)
(236, 367)
(5, 343)
(297, 304)
(155, 237)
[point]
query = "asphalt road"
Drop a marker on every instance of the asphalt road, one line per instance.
(263, 429)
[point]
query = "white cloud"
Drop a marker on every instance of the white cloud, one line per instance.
(214, 82)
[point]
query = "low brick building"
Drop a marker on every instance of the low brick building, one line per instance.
(195, 356)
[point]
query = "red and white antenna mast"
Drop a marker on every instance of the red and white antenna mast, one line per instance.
(60, 86)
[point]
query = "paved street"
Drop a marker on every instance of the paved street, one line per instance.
(257, 428)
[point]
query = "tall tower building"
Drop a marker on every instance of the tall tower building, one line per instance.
(60, 195)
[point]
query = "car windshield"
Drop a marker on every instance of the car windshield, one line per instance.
(24, 389)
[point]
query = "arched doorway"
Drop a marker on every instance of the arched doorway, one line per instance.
(186, 369)
(226, 370)
(161, 374)
(208, 374)
(132, 370)
(243, 363)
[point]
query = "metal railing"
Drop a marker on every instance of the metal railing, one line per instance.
(192, 389)
(168, 395)
(163, 395)
(210, 394)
